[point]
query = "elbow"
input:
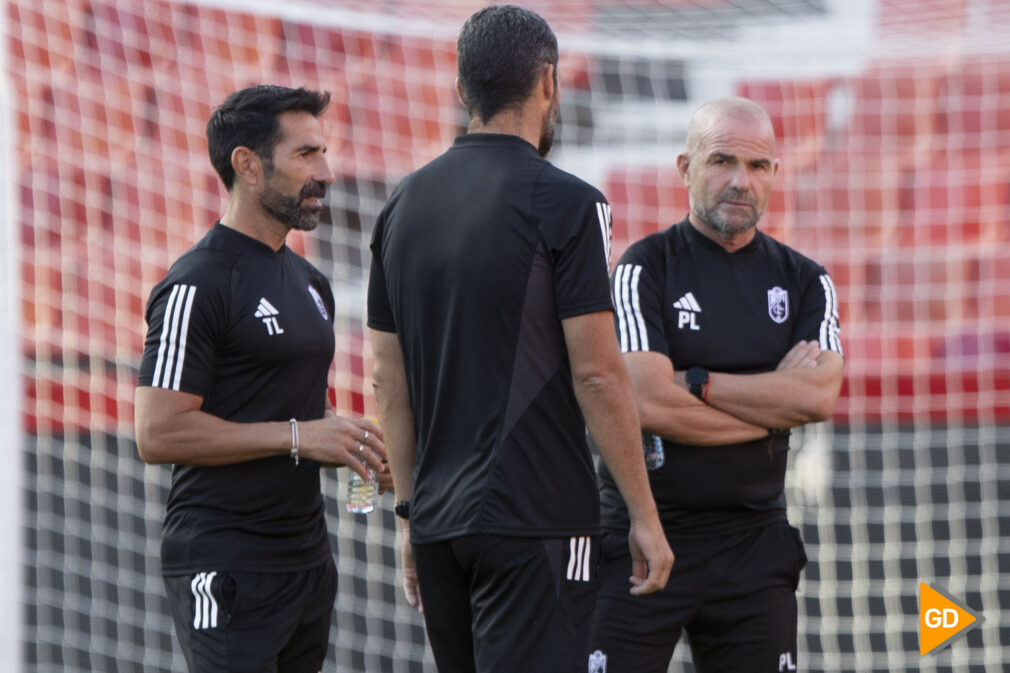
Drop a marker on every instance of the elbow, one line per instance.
(151, 450)
(594, 384)
(818, 408)
(388, 387)
(652, 417)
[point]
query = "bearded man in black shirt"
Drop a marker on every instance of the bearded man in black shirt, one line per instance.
(732, 338)
(233, 391)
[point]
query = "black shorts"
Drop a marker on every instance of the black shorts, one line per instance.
(498, 604)
(237, 622)
(734, 595)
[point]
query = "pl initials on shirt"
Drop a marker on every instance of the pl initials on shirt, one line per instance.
(688, 309)
(268, 314)
(786, 662)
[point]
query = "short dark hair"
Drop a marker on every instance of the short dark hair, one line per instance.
(500, 52)
(248, 118)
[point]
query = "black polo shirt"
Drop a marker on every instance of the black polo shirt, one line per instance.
(477, 257)
(251, 331)
(681, 294)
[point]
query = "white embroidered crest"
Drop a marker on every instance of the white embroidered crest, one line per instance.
(778, 304)
(319, 302)
(597, 662)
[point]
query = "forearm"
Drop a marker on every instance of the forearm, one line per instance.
(396, 416)
(397, 420)
(670, 411)
(194, 437)
(613, 423)
(782, 398)
(171, 428)
(198, 438)
(684, 419)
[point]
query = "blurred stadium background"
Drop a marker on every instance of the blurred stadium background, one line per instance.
(893, 118)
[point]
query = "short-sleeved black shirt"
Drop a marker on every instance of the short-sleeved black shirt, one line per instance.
(476, 259)
(251, 331)
(679, 293)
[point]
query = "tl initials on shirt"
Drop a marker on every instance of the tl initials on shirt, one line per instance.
(268, 314)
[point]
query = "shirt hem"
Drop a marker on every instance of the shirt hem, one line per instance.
(230, 565)
(506, 532)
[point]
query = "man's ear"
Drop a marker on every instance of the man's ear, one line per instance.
(548, 81)
(247, 165)
(683, 163)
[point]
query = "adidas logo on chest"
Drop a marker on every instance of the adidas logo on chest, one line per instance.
(688, 310)
(266, 312)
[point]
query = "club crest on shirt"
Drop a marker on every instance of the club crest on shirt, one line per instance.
(778, 304)
(319, 303)
(597, 662)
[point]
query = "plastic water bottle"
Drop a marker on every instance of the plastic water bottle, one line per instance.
(361, 492)
(652, 446)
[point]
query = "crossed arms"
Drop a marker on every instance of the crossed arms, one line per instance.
(739, 407)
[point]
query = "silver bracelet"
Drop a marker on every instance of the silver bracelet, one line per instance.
(294, 440)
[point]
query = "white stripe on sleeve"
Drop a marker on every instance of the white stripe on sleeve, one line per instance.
(643, 334)
(829, 331)
(603, 213)
(631, 322)
(182, 340)
(625, 300)
(622, 322)
(172, 350)
(166, 323)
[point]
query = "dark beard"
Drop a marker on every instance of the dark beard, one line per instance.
(547, 135)
(288, 209)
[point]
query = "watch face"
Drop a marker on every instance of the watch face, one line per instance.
(696, 375)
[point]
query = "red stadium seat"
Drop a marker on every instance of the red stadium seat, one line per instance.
(974, 104)
(893, 109)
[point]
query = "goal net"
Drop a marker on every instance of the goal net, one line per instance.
(893, 126)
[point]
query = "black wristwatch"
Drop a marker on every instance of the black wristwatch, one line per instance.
(402, 509)
(697, 380)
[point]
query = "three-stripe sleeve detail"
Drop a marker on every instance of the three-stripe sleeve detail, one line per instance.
(578, 558)
(630, 321)
(172, 349)
(829, 332)
(603, 213)
(205, 605)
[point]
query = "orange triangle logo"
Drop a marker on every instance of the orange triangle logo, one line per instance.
(942, 619)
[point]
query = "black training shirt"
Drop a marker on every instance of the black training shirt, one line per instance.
(251, 331)
(679, 293)
(477, 257)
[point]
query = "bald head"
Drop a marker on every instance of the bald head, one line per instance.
(728, 167)
(714, 114)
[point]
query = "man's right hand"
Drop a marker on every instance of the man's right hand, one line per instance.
(651, 557)
(803, 355)
(411, 589)
(355, 442)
